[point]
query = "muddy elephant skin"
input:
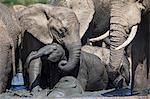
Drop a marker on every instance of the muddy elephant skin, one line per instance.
(92, 73)
(9, 33)
(61, 25)
(43, 24)
(115, 16)
(140, 58)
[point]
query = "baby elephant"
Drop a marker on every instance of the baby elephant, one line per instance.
(92, 73)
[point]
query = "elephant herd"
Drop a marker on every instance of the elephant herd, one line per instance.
(91, 44)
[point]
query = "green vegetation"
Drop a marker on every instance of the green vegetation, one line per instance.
(23, 2)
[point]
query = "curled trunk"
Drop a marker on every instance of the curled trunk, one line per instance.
(117, 35)
(34, 73)
(74, 57)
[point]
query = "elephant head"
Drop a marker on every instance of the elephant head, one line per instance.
(125, 17)
(54, 51)
(48, 24)
(84, 10)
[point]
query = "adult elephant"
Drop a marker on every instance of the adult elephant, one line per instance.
(9, 33)
(118, 16)
(43, 24)
(140, 58)
(60, 25)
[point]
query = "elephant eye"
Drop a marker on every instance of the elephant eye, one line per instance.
(62, 32)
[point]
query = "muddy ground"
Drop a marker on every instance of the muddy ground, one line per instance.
(9, 94)
(24, 94)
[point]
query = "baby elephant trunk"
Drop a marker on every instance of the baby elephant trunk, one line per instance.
(41, 52)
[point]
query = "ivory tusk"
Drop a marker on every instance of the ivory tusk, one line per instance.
(130, 37)
(100, 37)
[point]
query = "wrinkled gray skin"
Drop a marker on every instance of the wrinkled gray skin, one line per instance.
(103, 54)
(9, 32)
(67, 86)
(55, 53)
(140, 56)
(53, 23)
(91, 75)
(44, 24)
(113, 15)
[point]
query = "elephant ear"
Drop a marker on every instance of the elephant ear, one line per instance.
(84, 10)
(36, 24)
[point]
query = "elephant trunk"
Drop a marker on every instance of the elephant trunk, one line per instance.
(118, 34)
(116, 55)
(120, 24)
(36, 54)
(74, 50)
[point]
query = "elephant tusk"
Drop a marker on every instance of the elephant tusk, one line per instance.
(130, 37)
(100, 37)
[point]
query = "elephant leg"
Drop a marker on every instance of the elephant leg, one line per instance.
(5, 66)
(34, 74)
(125, 70)
(140, 79)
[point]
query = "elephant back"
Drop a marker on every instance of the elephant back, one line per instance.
(10, 22)
(102, 53)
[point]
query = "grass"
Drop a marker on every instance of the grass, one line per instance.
(23, 2)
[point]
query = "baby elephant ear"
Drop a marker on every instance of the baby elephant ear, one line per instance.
(84, 10)
(36, 24)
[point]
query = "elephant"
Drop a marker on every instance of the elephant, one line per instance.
(140, 58)
(103, 54)
(62, 27)
(10, 31)
(43, 24)
(114, 16)
(67, 86)
(91, 72)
